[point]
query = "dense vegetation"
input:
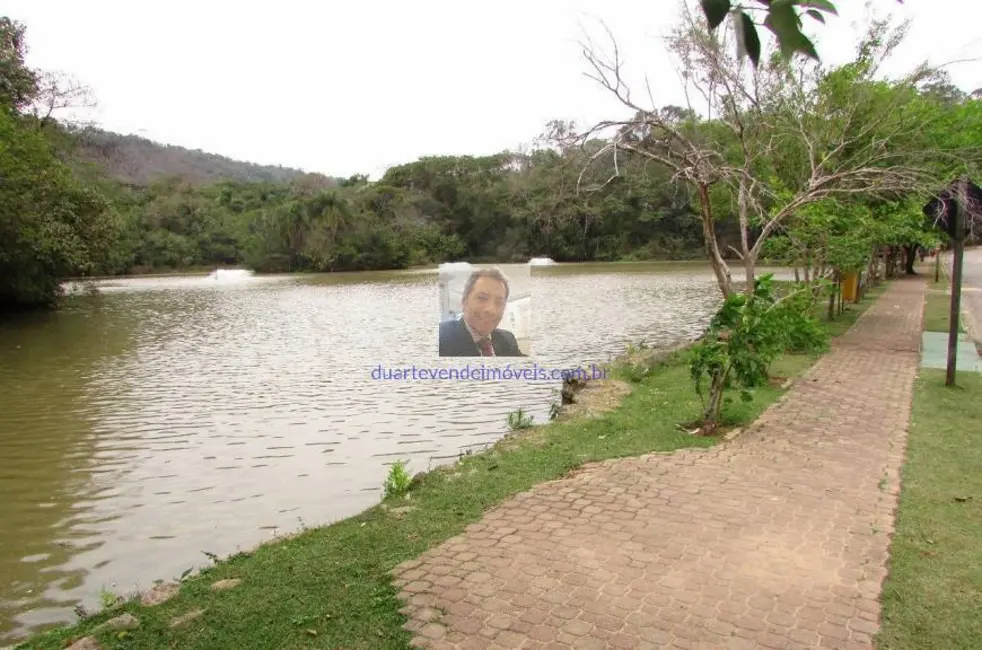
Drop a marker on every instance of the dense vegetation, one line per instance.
(503, 207)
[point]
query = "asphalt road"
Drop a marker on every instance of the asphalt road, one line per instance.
(972, 291)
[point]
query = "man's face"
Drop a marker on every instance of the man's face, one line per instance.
(485, 305)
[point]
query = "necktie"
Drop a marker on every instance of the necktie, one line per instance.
(486, 349)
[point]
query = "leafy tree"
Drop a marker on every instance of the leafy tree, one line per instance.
(51, 227)
(18, 83)
(782, 139)
(743, 339)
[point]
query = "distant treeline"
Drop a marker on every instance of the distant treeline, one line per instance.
(506, 207)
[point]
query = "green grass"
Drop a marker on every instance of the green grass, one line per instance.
(330, 587)
(938, 300)
(940, 285)
(926, 270)
(937, 308)
(933, 595)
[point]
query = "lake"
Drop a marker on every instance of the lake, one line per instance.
(169, 417)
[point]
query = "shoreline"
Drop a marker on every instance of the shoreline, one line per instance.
(206, 270)
(649, 389)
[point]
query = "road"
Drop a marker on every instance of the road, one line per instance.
(972, 291)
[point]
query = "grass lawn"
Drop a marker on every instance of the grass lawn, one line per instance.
(933, 595)
(936, 311)
(940, 285)
(330, 587)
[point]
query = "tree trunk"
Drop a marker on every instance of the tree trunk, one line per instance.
(720, 268)
(831, 315)
(911, 257)
(748, 258)
(711, 416)
(797, 278)
(750, 266)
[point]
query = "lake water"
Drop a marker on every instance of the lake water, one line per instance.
(169, 417)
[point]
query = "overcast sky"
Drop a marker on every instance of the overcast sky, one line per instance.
(354, 87)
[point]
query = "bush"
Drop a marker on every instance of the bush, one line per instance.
(398, 481)
(744, 338)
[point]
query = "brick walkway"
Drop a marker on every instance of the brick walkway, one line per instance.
(776, 540)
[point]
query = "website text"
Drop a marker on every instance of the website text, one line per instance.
(489, 373)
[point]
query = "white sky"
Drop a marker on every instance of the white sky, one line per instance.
(354, 87)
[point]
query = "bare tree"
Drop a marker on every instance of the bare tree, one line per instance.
(58, 93)
(661, 137)
(776, 137)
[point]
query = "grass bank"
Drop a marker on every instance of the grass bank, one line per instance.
(937, 309)
(933, 594)
(330, 587)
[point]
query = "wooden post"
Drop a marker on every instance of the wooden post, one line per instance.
(958, 237)
(937, 265)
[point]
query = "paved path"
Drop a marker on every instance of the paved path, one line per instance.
(775, 540)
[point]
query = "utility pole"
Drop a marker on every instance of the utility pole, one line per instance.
(958, 240)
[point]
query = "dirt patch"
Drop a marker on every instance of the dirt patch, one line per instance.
(581, 399)
(595, 398)
(535, 436)
(229, 583)
(122, 622)
(160, 594)
(696, 428)
(184, 619)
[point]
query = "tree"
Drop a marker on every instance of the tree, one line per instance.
(777, 138)
(51, 227)
(744, 337)
(18, 83)
(57, 92)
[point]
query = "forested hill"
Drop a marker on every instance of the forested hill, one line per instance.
(133, 160)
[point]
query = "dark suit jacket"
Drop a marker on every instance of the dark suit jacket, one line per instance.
(456, 341)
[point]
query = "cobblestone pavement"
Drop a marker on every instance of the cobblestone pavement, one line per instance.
(775, 540)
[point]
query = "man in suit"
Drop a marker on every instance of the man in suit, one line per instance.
(476, 334)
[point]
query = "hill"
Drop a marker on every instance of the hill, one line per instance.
(133, 160)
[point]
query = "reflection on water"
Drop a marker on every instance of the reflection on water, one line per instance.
(168, 417)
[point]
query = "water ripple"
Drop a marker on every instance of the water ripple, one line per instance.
(167, 417)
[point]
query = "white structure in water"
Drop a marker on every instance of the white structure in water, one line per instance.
(541, 261)
(229, 275)
(518, 314)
